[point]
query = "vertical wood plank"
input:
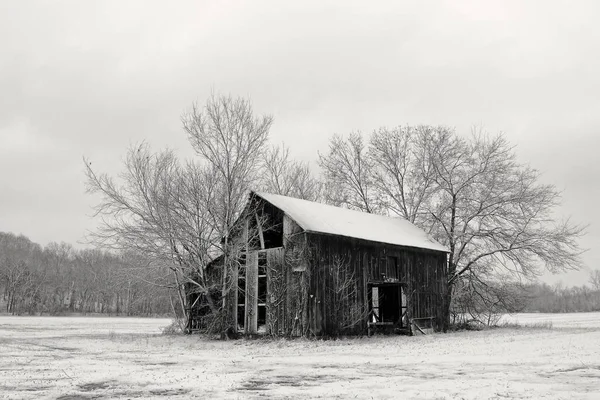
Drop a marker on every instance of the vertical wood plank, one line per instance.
(252, 293)
(261, 237)
(270, 320)
(234, 295)
(365, 288)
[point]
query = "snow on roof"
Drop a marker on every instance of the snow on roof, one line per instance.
(323, 218)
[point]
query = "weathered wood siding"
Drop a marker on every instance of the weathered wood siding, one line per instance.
(297, 278)
(277, 323)
(421, 273)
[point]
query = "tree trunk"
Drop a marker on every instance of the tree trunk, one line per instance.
(447, 301)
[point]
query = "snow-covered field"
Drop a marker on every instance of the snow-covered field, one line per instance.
(575, 320)
(105, 358)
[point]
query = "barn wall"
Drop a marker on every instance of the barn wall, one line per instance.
(297, 278)
(337, 281)
(287, 289)
(356, 264)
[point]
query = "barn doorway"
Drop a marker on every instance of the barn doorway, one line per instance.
(387, 307)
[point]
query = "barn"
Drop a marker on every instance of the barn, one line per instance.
(310, 269)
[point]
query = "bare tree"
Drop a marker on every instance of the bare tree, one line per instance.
(348, 173)
(180, 215)
(595, 279)
(161, 209)
(494, 214)
(484, 301)
(288, 177)
(231, 139)
(496, 217)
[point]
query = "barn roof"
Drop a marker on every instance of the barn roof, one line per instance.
(323, 218)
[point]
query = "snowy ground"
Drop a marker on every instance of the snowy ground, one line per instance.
(105, 358)
(575, 320)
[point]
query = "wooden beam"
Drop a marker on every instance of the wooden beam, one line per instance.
(260, 232)
(418, 327)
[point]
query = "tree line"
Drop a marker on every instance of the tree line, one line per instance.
(560, 299)
(59, 279)
(469, 192)
(488, 301)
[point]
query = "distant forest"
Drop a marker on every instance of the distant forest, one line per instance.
(58, 279)
(544, 298)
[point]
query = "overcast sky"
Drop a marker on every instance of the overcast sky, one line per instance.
(90, 78)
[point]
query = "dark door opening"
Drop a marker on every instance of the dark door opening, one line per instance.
(387, 304)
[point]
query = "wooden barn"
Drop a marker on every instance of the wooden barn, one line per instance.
(310, 269)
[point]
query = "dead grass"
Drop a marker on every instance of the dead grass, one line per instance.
(531, 325)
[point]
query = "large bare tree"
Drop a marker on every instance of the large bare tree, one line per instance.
(595, 279)
(181, 214)
(161, 209)
(495, 215)
(231, 139)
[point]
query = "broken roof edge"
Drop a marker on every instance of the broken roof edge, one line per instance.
(432, 245)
